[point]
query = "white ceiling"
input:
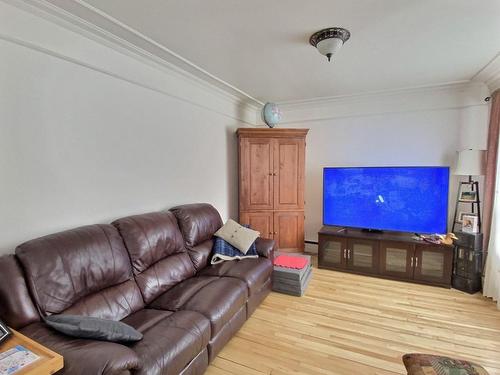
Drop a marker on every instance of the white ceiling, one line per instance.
(261, 46)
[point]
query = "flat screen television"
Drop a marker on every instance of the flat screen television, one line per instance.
(404, 199)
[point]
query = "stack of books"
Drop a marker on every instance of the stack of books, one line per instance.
(292, 274)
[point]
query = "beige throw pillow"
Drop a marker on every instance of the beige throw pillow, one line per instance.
(237, 235)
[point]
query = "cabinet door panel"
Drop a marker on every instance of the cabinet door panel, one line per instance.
(289, 230)
(289, 174)
(259, 221)
(256, 174)
(395, 259)
(433, 264)
(362, 255)
(332, 252)
(461, 255)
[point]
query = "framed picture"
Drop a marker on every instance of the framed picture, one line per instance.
(4, 332)
(469, 223)
(468, 196)
(462, 214)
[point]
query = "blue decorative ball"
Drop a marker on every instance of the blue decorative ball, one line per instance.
(271, 114)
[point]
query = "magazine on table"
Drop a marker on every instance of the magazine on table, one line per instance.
(15, 359)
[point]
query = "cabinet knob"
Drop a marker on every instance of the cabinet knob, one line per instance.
(275, 233)
(270, 233)
(275, 174)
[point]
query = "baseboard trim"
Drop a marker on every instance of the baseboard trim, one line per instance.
(311, 242)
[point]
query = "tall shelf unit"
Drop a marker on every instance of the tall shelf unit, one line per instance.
(474, 204)
(271, 184)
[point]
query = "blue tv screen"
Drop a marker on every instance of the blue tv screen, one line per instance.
(405, 199)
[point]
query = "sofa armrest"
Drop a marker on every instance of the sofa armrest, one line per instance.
(83, 357)
(265, 248)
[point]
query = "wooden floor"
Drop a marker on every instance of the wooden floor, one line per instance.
(349, 324)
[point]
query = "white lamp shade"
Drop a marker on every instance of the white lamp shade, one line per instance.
(330, 45)
(470, 163)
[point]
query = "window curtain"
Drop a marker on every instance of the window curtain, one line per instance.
(491, 209)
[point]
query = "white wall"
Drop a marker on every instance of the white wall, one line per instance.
(408, 138)
(89, 133)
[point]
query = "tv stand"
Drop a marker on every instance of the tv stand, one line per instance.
(391, 255)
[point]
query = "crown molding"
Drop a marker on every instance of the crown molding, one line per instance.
(110, 27)
(490, 74)
(423, 98)
(106, 30)
(258, 132)
(157, 56)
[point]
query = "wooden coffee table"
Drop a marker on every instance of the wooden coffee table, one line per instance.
(49, 363)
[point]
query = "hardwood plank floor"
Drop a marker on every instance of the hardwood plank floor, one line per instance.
(349, 324)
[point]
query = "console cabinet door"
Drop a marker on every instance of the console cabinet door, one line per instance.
(256, 174)
(332, 252)
(396, 259)
(259, 221)
(289, 165)
(461, 261)
(289, 230)
(433, 264)
(363, 255)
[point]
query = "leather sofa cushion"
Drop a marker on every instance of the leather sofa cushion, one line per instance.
(157, 251)
(216, 299)
(144, 319)
(172, 343)
(201, 254)
(226, 333)
(84, 357)
(163, 275)
(198, 365)
(150, 238)
(179, 295)
(198, 222)
(114, 303)
(254, 272)
(257, 297)
(66, 267)
(16, 307)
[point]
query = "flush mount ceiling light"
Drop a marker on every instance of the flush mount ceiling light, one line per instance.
(328, 41)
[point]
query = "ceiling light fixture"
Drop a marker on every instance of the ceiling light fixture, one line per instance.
(328, 41)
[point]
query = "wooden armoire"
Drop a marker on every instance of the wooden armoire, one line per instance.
(271, 184)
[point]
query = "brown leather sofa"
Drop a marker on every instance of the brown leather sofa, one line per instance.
(151, 271)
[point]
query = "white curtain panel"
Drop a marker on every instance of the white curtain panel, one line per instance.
(491, 287)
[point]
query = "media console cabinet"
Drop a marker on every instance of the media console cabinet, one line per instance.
(390, 255)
